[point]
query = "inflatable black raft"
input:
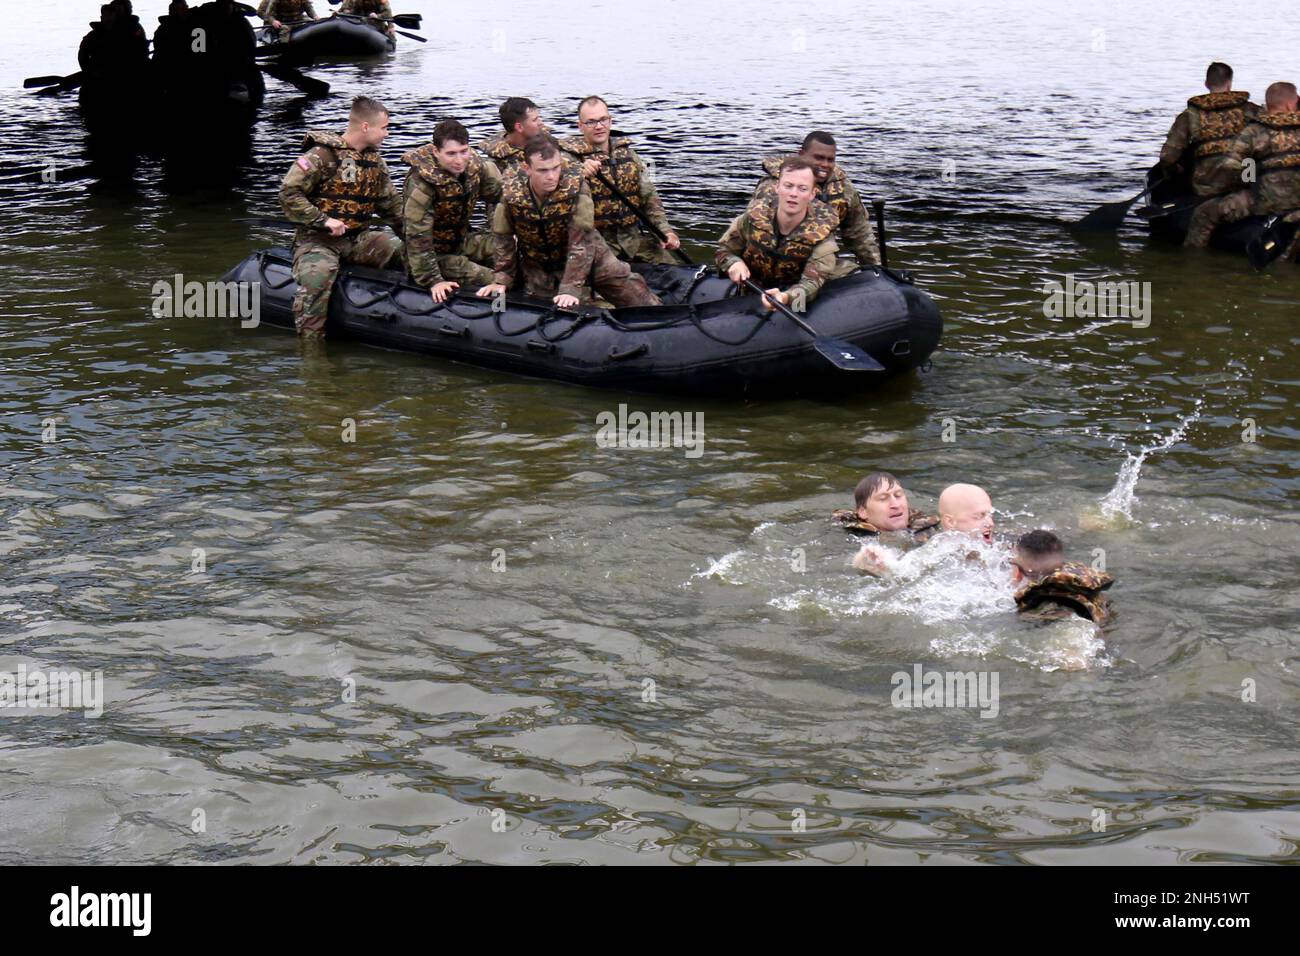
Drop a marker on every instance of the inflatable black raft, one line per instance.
(1177, 192)
(331, 37)
(704, 340)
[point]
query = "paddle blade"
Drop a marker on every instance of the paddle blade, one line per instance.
(845, 355)
(411, 21)
(314, 88)
(34, 81)
(413, 36)
(1105, 218)
(1265, 248)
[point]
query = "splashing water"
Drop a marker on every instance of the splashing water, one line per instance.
(1119, 501)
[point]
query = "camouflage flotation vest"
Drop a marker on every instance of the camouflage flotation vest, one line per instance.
(1219, 118)
(363, 8)
(619, 168)
(506, 156)
(775, 261)
(1284, 140)
(453, 196)
(1072, 588)
(920, 526)
(353, 187)
(542, 227)
(830, 192)
(286, 11)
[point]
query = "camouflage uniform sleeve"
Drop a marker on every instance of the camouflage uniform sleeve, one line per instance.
(266, 10)
(859, 238)
(1180, 134)
(418, 219)
(308, 11)
(582, 246)
(302, 179)
(731, 245)
(818, 268)
(503, 244)
(649, 196)
(490, 184)
(1249, 143)
(390, 202)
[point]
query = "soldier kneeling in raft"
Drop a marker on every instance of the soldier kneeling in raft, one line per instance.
(445, 183)
(546, 213)
(783, 238)
(334, 191)
(1051, 588)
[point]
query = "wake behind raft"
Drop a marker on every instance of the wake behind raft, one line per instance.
(705, 340)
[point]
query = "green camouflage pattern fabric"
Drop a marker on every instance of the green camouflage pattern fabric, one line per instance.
(363, 8)
(541, 227)
(801, 261)
(625, 169)
(332, 180)
(498, 149)
(1202, 133)
(1272, 140)
(855, 234)
(1073, 586)
(920, 525)
(437, 208)
(287, 12)
(316, 262)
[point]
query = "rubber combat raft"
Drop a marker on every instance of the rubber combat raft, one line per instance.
(704, 340)
(331, 37)
(1177, 195)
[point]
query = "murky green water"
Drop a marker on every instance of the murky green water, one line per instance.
(365, 569)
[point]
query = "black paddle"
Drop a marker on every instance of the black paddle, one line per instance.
(1265, 248)
(314, 88)
(1108, 216)
(69, 82)
(841, 354)
(1162, 209)
(402, 20)
(654, 230)
(34, 81)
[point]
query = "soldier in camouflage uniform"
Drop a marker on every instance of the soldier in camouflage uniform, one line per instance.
(278, 14)
(334, 191)
(1271, 142)
(836, 191)
(370, 8)
(547, 216)
(446, 181)
(521, 121)
(1050, 587)
(615, 161)
(785, 239)
(879, 506)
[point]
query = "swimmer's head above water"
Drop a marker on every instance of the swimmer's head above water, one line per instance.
(881, 500)
(967, 508)
(1038, 553)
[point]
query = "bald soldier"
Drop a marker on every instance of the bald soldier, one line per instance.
(546, 216)
(1265, 155)
(446, 182)
(278, 14)
(785, 238)
(836, 191)
(614, 160)
(520, 121)
(1202, 133)
(335, 192)
(968, 509)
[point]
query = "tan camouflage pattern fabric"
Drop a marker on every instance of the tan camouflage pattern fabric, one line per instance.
(855, 234)
(1272, 140)
(802, 261)
(316, 262)
(363, 8)
(286, 11)
(508, 158)
(437, 208)
(920, 525)
(629, 174)
(332, 180)
(1077, 587)
(1206, 128)
(541, 228)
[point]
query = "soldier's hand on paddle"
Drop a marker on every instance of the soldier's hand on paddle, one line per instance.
(335, 227)
(565, 301)
(441, 290)
(738, 273)
(671, 242)
(491, 291)
(591, 166)
(776, 294)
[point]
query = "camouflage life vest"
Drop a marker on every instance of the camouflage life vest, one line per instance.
(506, 156)
(1284, 140)
(775, 261)
(1072, 588)
(619, 168)
(920, 526)
(354, 186)
(363, 8)
(542, 227)
(453, 196)
(830, 192)
(1220, 117)
(287, 11)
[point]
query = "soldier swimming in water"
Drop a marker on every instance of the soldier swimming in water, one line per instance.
(1051, 588)
(963, 508)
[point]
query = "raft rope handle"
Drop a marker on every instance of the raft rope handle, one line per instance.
(261, 268)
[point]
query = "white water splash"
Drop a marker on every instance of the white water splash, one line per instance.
(1119, 501)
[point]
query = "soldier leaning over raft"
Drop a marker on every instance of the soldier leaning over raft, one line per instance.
(785, 239)
(836, 191)
(335, 191)
(446, 181)
(546, 216)
(615, 160)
